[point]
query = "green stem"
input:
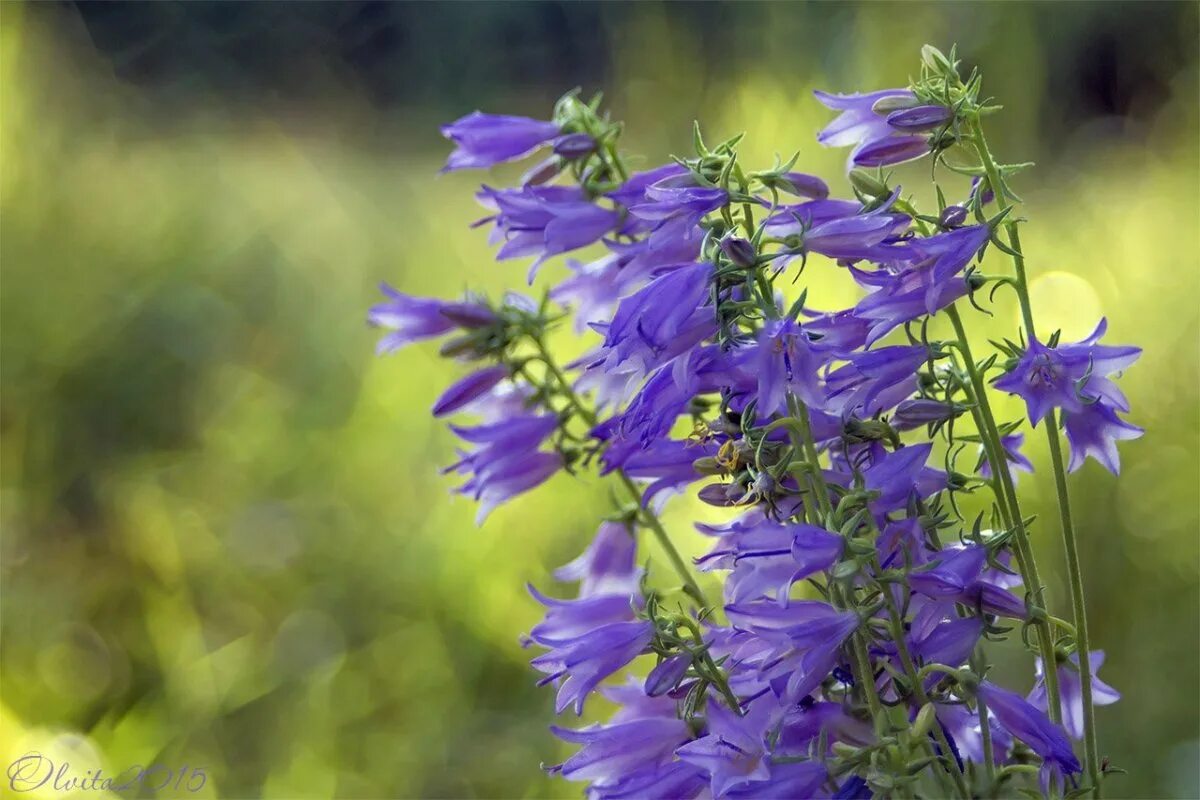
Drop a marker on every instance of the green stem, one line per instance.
(896, 622)
(979, 666)
(1010, 508)
(1070, 543)
(648, 517)
(864, 675)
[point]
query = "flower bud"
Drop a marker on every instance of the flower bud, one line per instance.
(937, 62)
(469, 315)
(739, 251)
(542, 172)
(714, 494)
(708, 466)
(889, 150)
(800, 184)
(987, 196)
(868, 184)
(574, 146)
(921, 411)
(921, 118)
(952, 217)
(664, 677)
(923, 724)
(895, 102)
(459, 346)
(469, 388)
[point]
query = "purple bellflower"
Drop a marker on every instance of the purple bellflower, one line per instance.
(1074, 378)
(1017, 462)
(1070, 690)
(876, 143)
(543, 221)
(484, 140)
(412, 319)
(506, 461)
(1031, 726)
(815, 439)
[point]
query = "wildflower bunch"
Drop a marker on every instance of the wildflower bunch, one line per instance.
(846, 655)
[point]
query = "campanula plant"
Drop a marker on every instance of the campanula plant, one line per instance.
(846, 653)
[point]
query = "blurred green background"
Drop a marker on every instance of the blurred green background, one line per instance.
(225, 542)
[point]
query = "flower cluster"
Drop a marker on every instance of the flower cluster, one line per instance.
(846, 654)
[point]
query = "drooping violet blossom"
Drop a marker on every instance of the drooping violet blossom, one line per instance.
(902, 475)
(412, 319)
(802, 640)
(608, 565)
(543, 221)
(734, 751)
(659, 322)
(875, 142)
(1031, 726)
(580, 662)
(875, 380)
(484, 140)
(1017, 462)
(611, 752)
(1070, 691)
(506, 461)
(766, 558)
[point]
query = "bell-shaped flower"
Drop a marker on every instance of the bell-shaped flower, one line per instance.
(412, 319)
(608, 565)
(543, 221)
(1031, 726)
(1070, 691)
(484, 140)
(1075, 378)
(506, 461)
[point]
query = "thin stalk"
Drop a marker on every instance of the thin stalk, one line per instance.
(1010, 507)
(896, 622)
(979, 666)
(649, 518)
(1070, 542)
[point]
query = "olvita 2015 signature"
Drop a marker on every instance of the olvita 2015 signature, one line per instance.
(33, 771)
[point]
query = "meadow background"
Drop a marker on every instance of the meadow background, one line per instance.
(225, 542)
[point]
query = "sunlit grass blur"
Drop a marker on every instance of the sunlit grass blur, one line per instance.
(225, 542)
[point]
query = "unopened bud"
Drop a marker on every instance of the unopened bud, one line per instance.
(936, 60)
(800, 184)
(843, 750)
(921, 118)
(458, 346)
(925, 720)
(739, 251)
(952, 216)
(469, 315)
(542, 172)
(574, 145)
(868, 184)
(667, 675)
(716, 494)
(895, 102)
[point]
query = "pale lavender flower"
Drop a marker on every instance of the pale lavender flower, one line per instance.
(1070, 691)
